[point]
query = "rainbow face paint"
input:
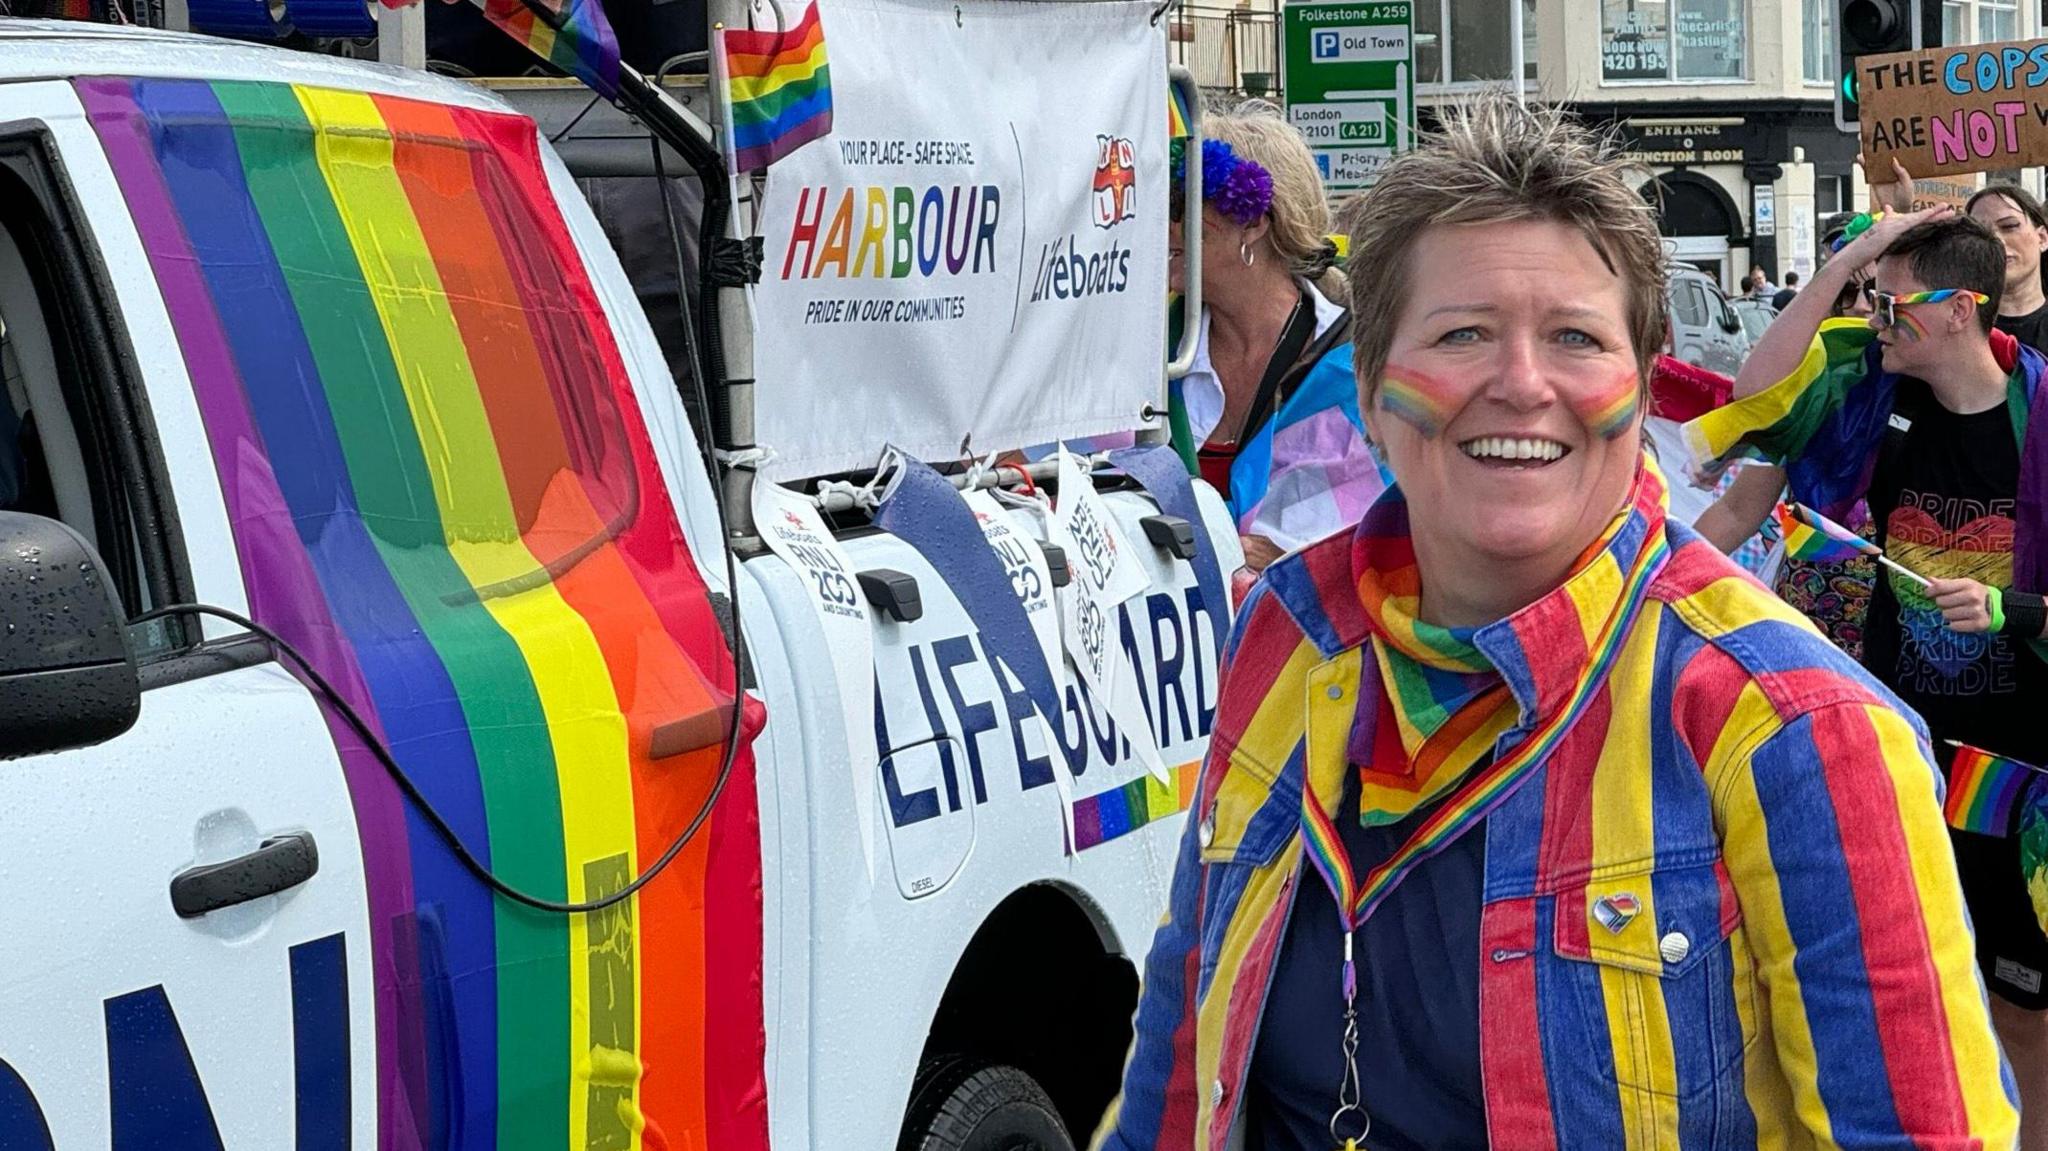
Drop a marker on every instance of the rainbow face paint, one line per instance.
(1608, 409)
(1426, 401)
(1420, 399)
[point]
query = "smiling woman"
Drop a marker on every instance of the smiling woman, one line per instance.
(1543, 750)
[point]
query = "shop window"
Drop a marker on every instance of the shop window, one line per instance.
(1469, 41)
(1663, 40)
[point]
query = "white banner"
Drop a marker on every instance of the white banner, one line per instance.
(976, 254)
(789, 524)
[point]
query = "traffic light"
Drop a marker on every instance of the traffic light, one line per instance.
(1875, 28)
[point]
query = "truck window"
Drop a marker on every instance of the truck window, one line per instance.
(1690, 305)
(72, 440)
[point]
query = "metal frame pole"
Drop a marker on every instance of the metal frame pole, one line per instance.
(1518, 63)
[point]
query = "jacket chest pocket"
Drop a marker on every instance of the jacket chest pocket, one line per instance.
(1657, 979)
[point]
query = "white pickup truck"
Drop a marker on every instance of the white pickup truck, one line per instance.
(379, 761)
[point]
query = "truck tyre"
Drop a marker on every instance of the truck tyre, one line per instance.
(965, 1104)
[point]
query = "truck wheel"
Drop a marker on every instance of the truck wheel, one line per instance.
(964, 1104)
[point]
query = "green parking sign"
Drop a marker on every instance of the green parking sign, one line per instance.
(1347, 75)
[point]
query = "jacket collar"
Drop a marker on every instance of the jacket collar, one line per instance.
(1539, 650)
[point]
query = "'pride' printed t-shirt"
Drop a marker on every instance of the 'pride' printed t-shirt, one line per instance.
(1944, 505)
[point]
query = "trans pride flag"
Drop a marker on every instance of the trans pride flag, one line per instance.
(1308, 470)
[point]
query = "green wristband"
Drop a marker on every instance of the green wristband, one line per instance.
(1997, 610)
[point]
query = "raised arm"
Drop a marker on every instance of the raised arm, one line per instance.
(1841, 864)
(1786, 340)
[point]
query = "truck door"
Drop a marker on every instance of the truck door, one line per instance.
(236, 1020)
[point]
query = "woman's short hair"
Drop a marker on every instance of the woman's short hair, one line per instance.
(1301, 218)
(1492, 161)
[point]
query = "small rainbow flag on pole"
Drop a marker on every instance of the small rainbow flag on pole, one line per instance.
(780, 90)
(573, 35)
(1815, 538)
(1985, 790)
(1176, 114)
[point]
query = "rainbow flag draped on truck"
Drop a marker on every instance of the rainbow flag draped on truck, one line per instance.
(368, 291)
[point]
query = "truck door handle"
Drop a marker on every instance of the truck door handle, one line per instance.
(281, 863)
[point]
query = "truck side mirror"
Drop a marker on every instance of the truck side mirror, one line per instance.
(66, 677)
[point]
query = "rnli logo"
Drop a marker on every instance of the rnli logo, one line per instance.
(1116, 181)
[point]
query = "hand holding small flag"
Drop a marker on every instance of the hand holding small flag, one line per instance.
(1815, 538)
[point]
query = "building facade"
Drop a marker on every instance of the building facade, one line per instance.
(1729, 104)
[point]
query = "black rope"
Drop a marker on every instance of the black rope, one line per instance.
(283, 647)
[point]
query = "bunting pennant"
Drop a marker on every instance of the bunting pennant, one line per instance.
(442, 492)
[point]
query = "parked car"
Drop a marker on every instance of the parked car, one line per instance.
(1755, 314)
(1705, 330)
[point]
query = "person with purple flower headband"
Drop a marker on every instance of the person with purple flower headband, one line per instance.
(1268, 414)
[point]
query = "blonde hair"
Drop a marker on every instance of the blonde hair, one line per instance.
(1300, 218)
(1492, 161)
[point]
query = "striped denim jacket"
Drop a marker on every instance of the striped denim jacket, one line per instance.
(1799, 971)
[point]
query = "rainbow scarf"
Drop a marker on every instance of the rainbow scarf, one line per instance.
(1432, 681)
(780, 90)
(441, 490)
(1451, 653)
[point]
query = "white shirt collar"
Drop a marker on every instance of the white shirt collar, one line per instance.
(1202, 391)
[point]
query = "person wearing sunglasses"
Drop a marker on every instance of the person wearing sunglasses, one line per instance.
(1924, 408)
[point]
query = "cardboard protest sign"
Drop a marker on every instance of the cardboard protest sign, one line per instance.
(1954, 191)
(1955, 110)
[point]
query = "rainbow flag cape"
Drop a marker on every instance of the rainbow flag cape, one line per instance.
(573, 35)
(780, 90)
(442, 491)
(1985, 790)
(1815, 538)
